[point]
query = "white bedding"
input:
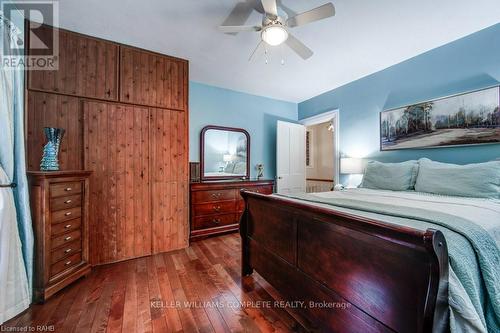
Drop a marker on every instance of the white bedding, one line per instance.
(485, 212)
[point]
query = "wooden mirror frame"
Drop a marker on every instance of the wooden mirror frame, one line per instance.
(202, 152)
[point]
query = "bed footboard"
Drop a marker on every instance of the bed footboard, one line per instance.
(352, 274)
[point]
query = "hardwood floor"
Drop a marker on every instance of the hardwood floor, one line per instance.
(198, 289)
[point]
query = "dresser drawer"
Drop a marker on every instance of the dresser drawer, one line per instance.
(65, 227)
(241, 205)
(65, 215)
(215, 221)
(219, 207)
(213, 195)
(65, 202)
(65, 189)
(66, 263)
(66, 251)
(65, 239)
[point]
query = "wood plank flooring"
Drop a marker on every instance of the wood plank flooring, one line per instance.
(197, 289)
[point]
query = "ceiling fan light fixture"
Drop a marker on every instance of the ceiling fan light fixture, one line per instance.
(274, 34)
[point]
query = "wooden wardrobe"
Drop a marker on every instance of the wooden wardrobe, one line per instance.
(125, 111)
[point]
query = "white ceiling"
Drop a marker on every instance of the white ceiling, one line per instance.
(364, 37)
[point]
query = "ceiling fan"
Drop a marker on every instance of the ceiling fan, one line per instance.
(275, 28)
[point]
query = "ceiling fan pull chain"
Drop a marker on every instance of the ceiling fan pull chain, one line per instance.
(282, 58)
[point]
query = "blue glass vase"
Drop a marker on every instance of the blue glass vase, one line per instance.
(50, 160)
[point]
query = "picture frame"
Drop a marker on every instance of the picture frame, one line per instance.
(469, 118)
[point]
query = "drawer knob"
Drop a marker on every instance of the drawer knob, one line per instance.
(68, 189)
(68, 214)
(67, 238)
(216, 195)
(216, 208)
(216, 221)
(67, 251)
(67, 226)
(67, 263)
(68, 201)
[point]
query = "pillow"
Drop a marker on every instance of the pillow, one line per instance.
(240, 168)
(390, 176)
(480, 180)
(229, 168)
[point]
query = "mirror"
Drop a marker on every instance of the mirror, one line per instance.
(225, 153)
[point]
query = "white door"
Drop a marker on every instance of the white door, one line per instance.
(290, 158)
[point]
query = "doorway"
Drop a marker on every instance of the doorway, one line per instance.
(321, 152)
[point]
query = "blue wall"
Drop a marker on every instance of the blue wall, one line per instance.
(209, 105)
(466, 64)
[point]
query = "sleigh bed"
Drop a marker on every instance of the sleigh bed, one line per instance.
(354, 274)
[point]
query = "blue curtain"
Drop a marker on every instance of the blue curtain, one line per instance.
(12, 150)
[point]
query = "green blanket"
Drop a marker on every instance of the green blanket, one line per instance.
(474, 255)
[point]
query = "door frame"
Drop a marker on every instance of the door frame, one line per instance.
(332, 115)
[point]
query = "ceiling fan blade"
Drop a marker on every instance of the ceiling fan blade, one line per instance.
(240, 14)
(298, 47)
(257, 5)
(316, 14)
(238, 28)
(289, 12)
(270, 7)
(254, 53)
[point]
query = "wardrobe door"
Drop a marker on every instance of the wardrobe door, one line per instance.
(117, 151)
(169, 175)
(51, 110)
(87, 67)
(150, 79)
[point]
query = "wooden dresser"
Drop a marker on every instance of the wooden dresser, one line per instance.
(59, 206)
(216, 206)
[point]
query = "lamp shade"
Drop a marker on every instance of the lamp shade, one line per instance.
(227, 157)
(350, 165)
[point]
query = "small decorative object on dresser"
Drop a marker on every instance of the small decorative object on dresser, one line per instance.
(50, 160)
(216, 206)
(59, 205)
(260, 170)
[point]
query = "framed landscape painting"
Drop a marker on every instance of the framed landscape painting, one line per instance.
(465, 119)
